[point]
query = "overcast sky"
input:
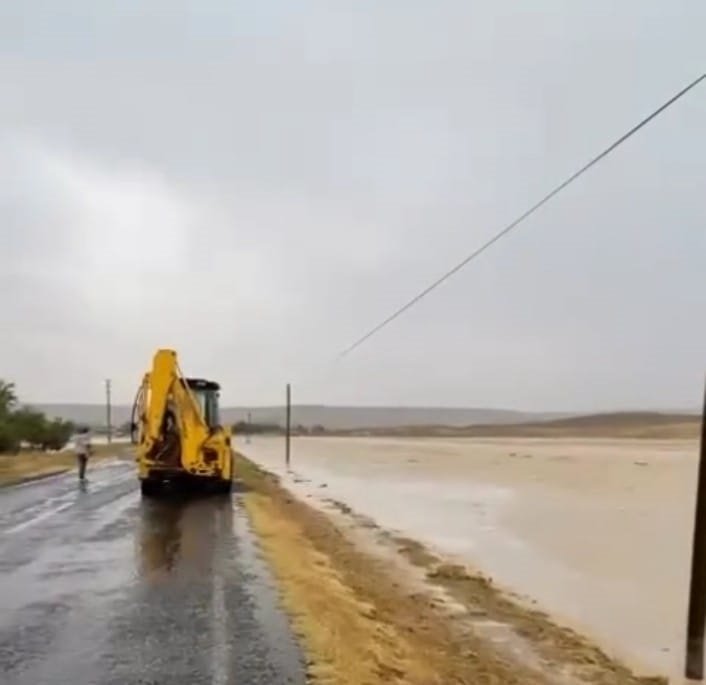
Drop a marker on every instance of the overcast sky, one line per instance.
(256, 184)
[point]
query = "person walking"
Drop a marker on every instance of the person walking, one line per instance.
(83, 451)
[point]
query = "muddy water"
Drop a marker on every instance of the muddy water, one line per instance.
(595, 531)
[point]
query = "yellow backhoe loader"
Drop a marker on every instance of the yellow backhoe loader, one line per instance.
(176, 427)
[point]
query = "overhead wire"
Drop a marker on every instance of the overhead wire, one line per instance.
(514, 224)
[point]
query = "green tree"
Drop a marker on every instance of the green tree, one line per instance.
(33, 427)
(9, 441)
(30, 426)
(56, 434)
(8, 397)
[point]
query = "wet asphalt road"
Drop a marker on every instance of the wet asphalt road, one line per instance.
(98, 587)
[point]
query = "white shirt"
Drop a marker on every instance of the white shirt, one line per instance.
(83, 443)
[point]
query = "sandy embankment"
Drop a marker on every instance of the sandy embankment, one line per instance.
(596, 532)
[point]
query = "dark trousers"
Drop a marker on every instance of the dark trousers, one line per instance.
(82, 460)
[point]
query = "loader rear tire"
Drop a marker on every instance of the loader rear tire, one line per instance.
(225, 487)
(148, 488)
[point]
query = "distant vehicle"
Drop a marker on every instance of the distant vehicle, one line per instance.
(176, 427)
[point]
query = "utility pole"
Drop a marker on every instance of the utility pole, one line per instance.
(108, 410)
(694, 668)
(248, 430)
(288, 424)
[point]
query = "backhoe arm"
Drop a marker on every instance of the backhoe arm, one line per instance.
(167, 390)
(159, 384)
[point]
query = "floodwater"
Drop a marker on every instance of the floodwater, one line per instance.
(597, 532)
(101, 587)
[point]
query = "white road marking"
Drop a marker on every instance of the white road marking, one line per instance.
(219, 651)
(47, 513)
(37, 519)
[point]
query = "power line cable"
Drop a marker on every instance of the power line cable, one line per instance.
(520, 219)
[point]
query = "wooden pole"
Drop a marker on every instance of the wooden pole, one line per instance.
(108, 412)
(697, 591)
(289, 425)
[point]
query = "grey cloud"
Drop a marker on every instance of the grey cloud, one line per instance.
(257, 186)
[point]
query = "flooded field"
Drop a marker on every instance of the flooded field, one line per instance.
(597, 532)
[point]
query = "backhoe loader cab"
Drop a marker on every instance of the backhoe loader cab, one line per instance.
(207, 395)
(177, 430)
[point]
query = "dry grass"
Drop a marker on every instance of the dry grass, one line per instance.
(349, 645)
(361, 625)
(16, 468)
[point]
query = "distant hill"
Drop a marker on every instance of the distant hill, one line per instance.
(653, 425)
(429, 420)
(342, 418)
(330, 417)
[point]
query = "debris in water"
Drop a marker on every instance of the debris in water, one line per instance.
(449, 572)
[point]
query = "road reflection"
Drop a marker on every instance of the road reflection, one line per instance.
(181, 535)
(160, 537)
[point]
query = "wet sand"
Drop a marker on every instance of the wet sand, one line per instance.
(597, 532)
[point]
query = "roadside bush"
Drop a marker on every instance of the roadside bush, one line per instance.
(57, 434)
(8, 438)
(29, 426)
(245, 428)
